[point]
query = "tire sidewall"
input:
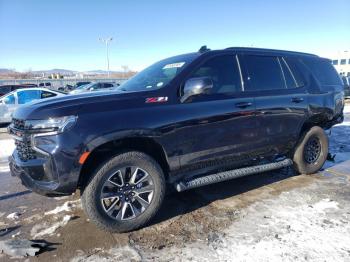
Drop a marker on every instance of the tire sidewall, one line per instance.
(91, 196)
(300, 163)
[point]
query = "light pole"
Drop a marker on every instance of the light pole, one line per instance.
(106, 41)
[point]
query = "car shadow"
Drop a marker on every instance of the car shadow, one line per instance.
(182, 203)
(8, 230)
(17, 194)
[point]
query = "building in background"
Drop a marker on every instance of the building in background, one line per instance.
(341, 62)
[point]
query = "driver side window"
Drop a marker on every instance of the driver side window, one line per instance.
(223, 71)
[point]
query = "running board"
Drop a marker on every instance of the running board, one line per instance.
(231, 174)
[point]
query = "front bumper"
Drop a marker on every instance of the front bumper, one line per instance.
(54, 173)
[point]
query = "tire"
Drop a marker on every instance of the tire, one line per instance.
(106, 211)
(311, 152)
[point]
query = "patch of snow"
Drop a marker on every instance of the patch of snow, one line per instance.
(66, 207)
(345, 123)
(16, 235)
(125, 253)
(44, 229)
(6, 148)
(346, 109)
(13, 216)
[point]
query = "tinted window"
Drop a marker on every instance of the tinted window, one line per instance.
(335, 62)
(45, 94)
(264, 73)
(288, 76)
(323, 70)
(10, 100)
(343, 61)
(107, 85)
(5, 89)
(224, 72)
(295, 69)
(28, 96)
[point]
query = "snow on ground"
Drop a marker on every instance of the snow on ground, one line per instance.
(125, 253)
(66, 207)
(290, 227)
(13, 216)
(6, 148)
(44, 229)
(339, 141)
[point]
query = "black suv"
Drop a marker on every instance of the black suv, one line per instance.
(184, 122)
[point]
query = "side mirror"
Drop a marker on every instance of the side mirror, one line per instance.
(196, 86)
(91, 89)
(6, 100)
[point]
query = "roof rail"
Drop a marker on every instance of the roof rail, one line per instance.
(268, 50)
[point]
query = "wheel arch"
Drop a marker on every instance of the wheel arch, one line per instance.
(104, 151)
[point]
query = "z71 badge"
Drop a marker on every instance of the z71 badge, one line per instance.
(160, 99)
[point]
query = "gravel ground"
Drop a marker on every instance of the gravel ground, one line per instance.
(275, 216)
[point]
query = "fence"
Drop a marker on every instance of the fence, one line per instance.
(56, 83)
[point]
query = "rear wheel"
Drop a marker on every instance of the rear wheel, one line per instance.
(125, 193)
(311, 152)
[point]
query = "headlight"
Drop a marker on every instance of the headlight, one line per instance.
(55, 124)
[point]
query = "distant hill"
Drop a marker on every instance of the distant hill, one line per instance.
(6, 71)
(101, 72)
(55, 71)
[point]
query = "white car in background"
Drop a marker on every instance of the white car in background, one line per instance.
(95, 86)
(11, 101)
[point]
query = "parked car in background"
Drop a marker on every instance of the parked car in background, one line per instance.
(10, 102)
(95, 86)
(5, 89)
(184, 122)
(346, 81)
(47, 85)
(67, 88)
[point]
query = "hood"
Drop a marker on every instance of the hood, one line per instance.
(74, 104)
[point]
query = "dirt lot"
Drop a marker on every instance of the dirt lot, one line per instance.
(276, 216)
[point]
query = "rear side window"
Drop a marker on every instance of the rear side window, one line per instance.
(107, 85)
(323, 70)
(45, 94)
(264, 73)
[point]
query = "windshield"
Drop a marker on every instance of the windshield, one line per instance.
(159, 74)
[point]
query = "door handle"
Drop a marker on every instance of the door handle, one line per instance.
(297, 99)
(243, 104)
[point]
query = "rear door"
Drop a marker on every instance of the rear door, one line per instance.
(280, 100)
(217, 129)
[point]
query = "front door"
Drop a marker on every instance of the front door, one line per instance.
(219, 128)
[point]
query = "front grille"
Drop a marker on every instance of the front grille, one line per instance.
(25, 150)
(22, 140)
(18, 123)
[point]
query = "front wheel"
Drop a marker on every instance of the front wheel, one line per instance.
(311, 152)
(125, 193)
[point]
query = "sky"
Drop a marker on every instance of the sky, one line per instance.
(42, 35)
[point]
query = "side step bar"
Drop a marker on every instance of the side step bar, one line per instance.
(231, 174)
